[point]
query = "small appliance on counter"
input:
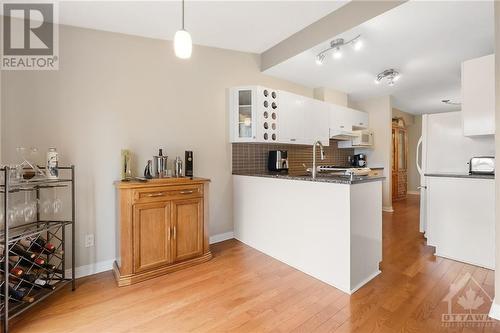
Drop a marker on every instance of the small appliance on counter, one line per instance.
(189, 163)
(358, 160)
(482, 165)
(160, 165)
(277, 160)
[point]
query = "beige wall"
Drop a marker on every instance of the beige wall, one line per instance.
(331, 96)
(116, 91)
(380, 117)
(414, 130)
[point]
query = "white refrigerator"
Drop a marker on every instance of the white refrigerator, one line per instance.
(443, 148)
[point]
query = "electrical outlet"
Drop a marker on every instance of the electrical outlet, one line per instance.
(89, 240)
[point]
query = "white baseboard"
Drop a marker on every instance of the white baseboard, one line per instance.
(388, 209)
(413, 192)
(221, 237)
(494, 310)
(107, 265)
(91, 269)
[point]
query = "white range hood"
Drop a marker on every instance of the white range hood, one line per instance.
(342, 135)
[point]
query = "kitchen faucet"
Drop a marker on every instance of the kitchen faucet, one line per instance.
(322, 156)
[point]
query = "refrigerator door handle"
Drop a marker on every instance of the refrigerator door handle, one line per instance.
(419, 168)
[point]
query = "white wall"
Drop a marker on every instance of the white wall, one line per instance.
(495, 311)
(115, 91)
(380, 118)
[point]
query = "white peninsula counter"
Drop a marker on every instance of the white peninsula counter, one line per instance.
(329, 227)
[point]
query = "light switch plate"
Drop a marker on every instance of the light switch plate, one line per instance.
(89, 240)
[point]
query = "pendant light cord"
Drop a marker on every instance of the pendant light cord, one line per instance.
(182, 14)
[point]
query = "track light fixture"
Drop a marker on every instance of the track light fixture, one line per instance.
(336, 45)
(391, 75)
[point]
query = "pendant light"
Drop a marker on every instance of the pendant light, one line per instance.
(183, 45)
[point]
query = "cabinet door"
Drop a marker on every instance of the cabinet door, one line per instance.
(242, 111)
(187, 217)
(478, 96)
(316, 122)
(359, 119)
(340, 119)
(151, 235)
(291, 118)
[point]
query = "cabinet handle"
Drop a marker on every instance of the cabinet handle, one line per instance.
(293, 139)
(158, 194)
(187, 192)
(342, 126)
(168, 233)
(175, 232)
(361, 123)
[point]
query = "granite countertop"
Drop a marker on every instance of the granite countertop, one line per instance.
(319, 178)
(459, 175)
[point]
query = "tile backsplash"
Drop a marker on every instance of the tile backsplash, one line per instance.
(252, 157)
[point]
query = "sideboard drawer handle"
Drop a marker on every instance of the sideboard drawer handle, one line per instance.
(187, 192)
(158, 194)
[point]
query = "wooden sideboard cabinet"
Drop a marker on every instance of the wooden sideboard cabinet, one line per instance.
(162, 227)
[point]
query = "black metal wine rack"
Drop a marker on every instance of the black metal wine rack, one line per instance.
(49, 231)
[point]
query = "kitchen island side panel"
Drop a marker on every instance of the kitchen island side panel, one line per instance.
(301, 223)
(366, 232)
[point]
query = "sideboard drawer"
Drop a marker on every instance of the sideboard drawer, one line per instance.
(167, 193)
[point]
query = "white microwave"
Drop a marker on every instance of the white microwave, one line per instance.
(363, 138)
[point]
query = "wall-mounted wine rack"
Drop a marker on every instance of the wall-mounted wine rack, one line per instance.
(33, 258)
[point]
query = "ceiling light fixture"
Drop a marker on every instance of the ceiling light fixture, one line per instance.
(447, 101)
(320, 59)
(391, 75)
(183, 45)
(336, 45)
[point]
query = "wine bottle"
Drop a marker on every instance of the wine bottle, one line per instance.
(16, 271)
(26, 262)
(19, 250)
(21, 294)
(40, 245)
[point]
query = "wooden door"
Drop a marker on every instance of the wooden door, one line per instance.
(151, 235)
(187, 217)
(399, 163)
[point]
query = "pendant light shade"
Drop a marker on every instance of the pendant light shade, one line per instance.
(183, 44)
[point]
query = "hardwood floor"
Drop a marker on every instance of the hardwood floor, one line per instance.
(243, 290)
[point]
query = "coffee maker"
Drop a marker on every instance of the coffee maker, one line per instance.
(358, 160)
(277, 160)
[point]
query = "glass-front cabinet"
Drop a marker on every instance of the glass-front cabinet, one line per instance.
(253, 114)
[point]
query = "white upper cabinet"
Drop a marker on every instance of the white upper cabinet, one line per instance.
(291, 120)
(344, 120)
(258, 114)
(302, 120)
(359, 119)
(253, 114)
(478, 96)
(316, 122)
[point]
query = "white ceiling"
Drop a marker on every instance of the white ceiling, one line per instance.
(250, 26)
(426, 41)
